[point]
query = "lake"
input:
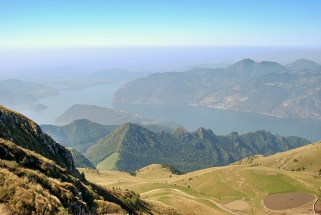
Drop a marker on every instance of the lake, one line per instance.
(222, 122)
(100, 95)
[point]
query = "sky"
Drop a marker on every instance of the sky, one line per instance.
(37, 30)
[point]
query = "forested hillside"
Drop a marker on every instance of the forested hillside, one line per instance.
(82, 133)
(137, 147)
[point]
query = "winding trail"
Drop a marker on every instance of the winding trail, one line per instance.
(316, 201)
(193, 197)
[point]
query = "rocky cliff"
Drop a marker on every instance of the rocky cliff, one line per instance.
(25, 133)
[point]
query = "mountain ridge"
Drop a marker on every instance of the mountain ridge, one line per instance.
(188, 151)
(247, 86)
(38, 175)
(80, 134)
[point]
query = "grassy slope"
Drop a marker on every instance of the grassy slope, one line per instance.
(31, 183)
(207, 190)
(108, 163)
(294, 159)
(38, 176)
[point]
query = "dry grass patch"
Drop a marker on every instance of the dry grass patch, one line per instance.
(104, 207)
(190, 206)
(305, 158)
(209, 189)
(24, 196)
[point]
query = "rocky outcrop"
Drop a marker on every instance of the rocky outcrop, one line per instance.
(24, 132)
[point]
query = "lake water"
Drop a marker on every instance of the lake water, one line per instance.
(100, 95)
(222, 122)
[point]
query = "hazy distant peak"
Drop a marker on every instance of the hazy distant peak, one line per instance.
(248, 68)
(302, 64)
(242, 64)
(179, 130)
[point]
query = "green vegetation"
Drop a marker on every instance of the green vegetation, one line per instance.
(79, 134)
(38, 175)
(108, 163)
(205, 189)
(139, 147)
(80, 160)
(83, 133)
(172, 169)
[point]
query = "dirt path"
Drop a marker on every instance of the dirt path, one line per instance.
(193, 197)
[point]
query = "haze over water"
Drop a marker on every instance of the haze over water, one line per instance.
(159, 36)
(222, 122)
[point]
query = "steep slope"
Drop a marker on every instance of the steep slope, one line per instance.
(38, 175)
(81, 134)
(80, 160)
(137, 147)
(107, 116)
(22, 131)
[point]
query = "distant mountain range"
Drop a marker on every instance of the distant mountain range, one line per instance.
(261, 87)
(107, 116)
(23, 95)
(131, 147)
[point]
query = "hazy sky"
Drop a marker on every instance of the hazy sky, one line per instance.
(29, 27)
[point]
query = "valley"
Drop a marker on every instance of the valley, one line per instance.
(239, 188)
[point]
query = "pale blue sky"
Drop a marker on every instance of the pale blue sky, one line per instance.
(62, 23)
(139, 34)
